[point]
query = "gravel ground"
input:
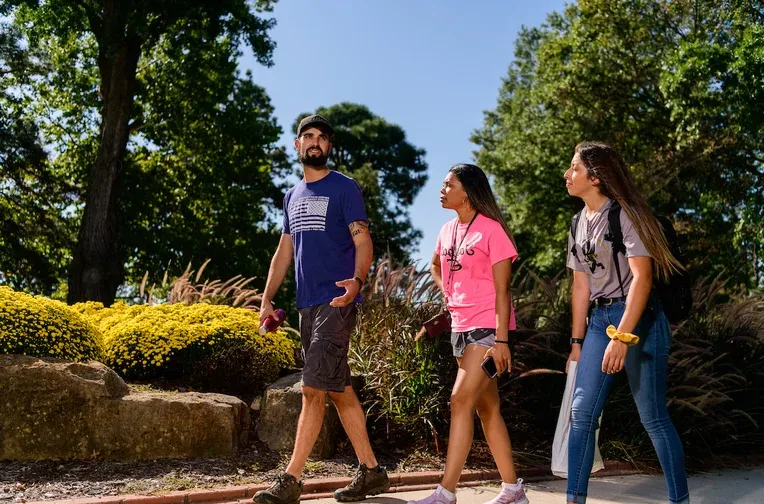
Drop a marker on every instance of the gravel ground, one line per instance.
(49, 480)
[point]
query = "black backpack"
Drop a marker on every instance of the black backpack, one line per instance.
(676, 292)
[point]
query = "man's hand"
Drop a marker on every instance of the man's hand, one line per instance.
(266, 309)
(280, 263)
(351, 291)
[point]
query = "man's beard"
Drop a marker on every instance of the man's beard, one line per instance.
(313, 160)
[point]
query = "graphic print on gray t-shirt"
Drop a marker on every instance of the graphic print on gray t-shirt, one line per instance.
(595, 253)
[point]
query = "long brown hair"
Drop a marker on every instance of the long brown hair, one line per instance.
(478, 189)
(615, 181)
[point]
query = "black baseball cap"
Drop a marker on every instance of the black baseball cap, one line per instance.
(315, 121)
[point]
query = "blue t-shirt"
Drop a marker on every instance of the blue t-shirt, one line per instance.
(317, 215)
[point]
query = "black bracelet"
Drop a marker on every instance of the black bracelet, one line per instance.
(574, 341)
(502, 341)
(358, 279)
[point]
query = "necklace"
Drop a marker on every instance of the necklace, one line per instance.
(455, 264)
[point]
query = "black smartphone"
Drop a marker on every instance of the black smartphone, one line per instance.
(489, 366)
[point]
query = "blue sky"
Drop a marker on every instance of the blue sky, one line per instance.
(430, 67)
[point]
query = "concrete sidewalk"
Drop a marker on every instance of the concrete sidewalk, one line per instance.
(741, 486)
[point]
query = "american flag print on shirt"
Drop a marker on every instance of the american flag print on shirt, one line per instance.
(308, 214)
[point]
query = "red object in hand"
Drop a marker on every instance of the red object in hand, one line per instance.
(271, 323)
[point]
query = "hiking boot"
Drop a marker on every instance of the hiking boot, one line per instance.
(437, 497)
(510, 494)
(366, 482)
(285, 490)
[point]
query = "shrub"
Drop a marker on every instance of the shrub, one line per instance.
(41, 327)
(531, 395)
(189, 289)
(211, 347)
(715, 383)
(716, 373)
(407, 383)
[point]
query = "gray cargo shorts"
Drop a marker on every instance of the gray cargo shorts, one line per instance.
(325, 336)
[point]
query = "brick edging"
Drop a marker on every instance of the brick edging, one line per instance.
(323, 487)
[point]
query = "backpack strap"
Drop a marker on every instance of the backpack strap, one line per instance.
(615, 236)
(573, 229)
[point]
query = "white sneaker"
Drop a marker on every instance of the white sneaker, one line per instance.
(437, 497)
(515, 494)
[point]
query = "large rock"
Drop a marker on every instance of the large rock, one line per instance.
(51, 409)
(279, 411)
(155, 425)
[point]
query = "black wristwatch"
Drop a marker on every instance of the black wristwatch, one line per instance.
(358, 279)
(579, 341)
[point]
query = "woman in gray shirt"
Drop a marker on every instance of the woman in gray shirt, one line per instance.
(627, 327)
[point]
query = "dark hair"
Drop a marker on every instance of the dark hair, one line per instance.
(479, 192)
(615, 181)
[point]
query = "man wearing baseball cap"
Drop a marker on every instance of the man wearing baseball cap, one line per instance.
(326, 231)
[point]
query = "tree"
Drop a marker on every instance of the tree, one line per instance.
(35, 237)
(675, 86)
(389, 169)
(202, 180)
(121, 35)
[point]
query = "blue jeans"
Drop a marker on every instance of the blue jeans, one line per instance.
(646, 368)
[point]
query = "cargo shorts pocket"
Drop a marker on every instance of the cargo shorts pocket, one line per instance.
(333, 365)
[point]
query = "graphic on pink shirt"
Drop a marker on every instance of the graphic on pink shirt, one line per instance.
(467, 266)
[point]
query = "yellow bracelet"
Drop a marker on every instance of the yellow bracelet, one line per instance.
(624, 337)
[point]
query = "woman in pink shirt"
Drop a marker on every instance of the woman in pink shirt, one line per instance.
(472, 266)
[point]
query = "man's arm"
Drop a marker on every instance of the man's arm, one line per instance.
(280, 264)
(364, 252)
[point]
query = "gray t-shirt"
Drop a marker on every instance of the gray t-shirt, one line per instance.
(595, 254)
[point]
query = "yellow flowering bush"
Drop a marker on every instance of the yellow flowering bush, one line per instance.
(42, 327)
(213, 347)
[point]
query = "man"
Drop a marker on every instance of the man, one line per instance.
(327, 232)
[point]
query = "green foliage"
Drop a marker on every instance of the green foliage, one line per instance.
(34, 236)
(675, 86)
(389, 169)
(201, 171)
(42, 327)
(211, 347)
(199, 151)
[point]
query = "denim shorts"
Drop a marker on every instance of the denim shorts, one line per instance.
(482, 337)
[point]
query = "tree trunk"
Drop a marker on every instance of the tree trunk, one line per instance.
(98, 267)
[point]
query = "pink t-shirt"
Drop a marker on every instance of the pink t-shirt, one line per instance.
(471, 292)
